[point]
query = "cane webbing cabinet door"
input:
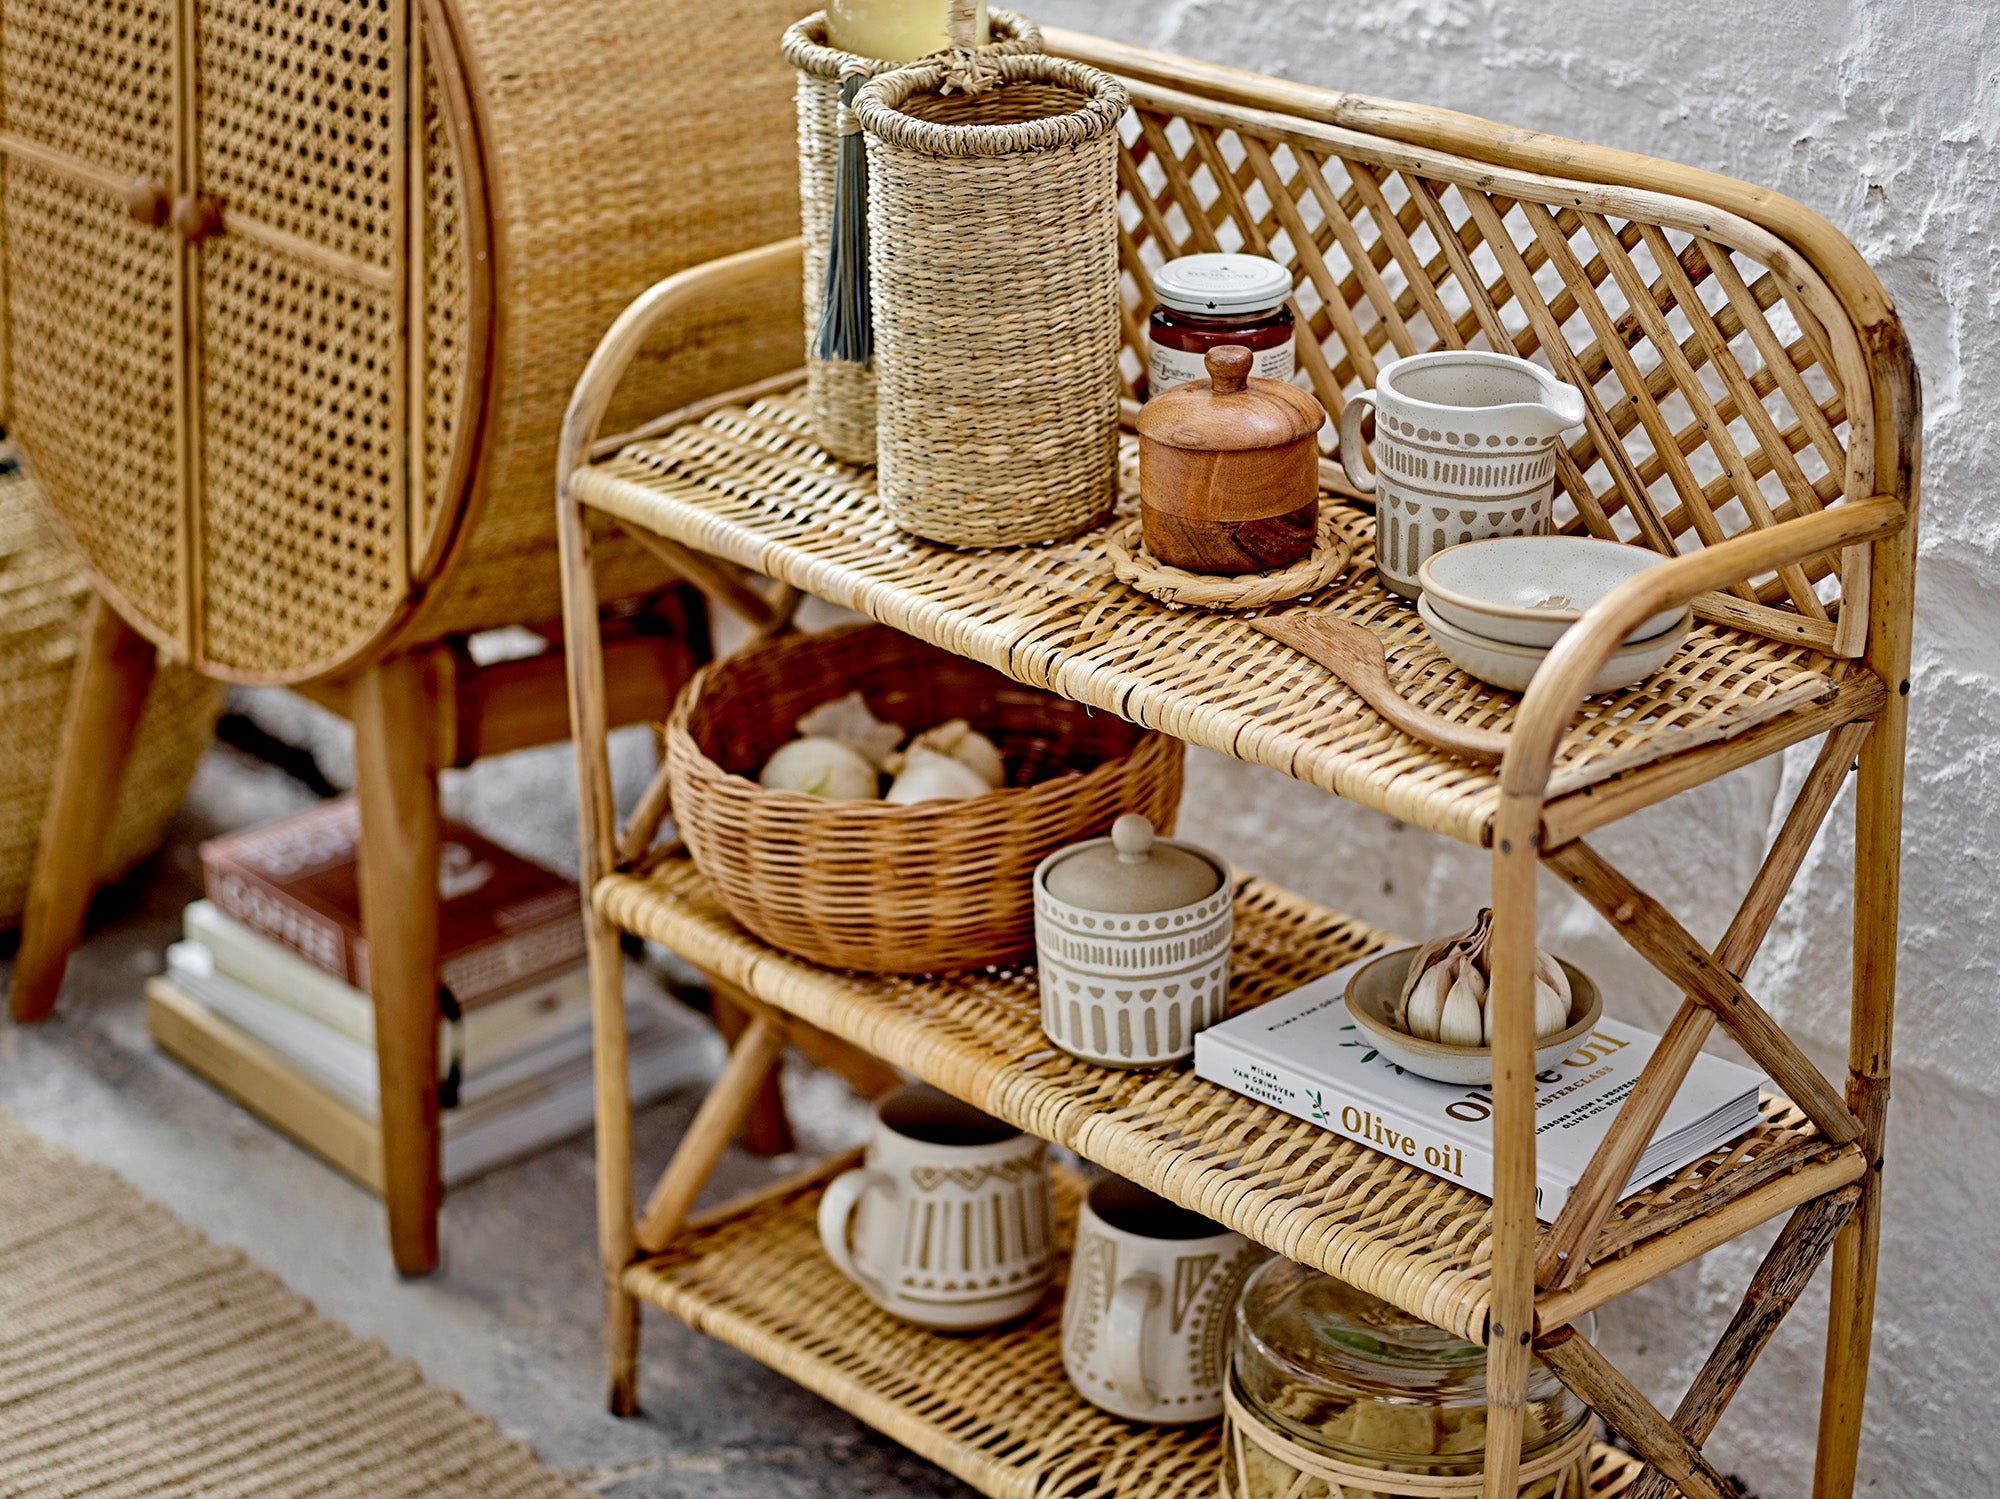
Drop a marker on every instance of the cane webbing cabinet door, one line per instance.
(295, 294)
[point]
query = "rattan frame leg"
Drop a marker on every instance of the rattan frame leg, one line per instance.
(114, 672)
(398, 706)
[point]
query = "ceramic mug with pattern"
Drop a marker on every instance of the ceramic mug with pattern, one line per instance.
(949, 1223)
(1465, 448)
(1152, 1289)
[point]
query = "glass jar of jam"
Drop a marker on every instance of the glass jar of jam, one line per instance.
(1206, 300)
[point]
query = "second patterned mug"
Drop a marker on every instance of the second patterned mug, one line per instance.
(1152, 1289)
(949, 1223)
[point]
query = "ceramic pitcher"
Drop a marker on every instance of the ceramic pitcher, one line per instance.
(1152, 1288)
(1465, 448)
(949, 1224)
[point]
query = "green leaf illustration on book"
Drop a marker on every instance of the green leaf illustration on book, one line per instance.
(1370, 1054)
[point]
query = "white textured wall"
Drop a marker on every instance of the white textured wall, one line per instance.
(1885, 116)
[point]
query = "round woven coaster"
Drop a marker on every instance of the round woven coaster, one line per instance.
(1125, 545)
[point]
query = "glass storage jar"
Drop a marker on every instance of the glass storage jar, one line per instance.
(1205, 301)
(1333, 1393)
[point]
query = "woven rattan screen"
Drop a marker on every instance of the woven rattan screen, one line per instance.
(1720, 374)
(295, 295)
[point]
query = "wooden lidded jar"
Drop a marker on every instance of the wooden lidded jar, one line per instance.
(1229, 470)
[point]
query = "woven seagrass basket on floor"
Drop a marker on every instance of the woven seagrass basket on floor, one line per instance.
(347, 261)
(934, 887)
(842, 392)
(994, 279)
(43, 593)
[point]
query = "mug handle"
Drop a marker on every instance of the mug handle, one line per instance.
(1350, 441)
(1136, 1299)
(836, 1214)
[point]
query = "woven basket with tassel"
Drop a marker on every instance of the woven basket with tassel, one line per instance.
(993, 199)
(842, 391)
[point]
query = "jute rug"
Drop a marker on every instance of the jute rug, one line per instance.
(137, 1358)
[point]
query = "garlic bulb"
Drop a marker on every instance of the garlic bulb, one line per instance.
(821, 767)
(1444, 992)
(1462, 1022)
(963, 743)
(1425, 1007)
(928, 775)
(1551, 1010)
(849, 720)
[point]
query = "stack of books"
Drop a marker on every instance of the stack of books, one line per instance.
(266, 997)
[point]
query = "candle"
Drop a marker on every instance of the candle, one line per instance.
(895, 30)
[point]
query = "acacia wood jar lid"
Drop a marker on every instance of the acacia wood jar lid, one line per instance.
(1232, 411)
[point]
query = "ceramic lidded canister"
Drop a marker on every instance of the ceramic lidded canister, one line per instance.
(1132, 945)
(1229, 470)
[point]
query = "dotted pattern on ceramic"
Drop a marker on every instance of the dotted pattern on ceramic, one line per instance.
(1441, 488)
(1131, 991)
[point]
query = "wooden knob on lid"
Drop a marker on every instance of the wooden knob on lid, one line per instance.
(1228, 368)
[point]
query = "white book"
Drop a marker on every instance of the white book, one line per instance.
(1304, 1054)
(347, 1069)
(493, 1033)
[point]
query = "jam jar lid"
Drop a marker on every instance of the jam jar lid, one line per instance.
(1216, 284)
(1339, 1370)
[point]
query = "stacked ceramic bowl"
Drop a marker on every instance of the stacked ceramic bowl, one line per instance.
(1496, 607)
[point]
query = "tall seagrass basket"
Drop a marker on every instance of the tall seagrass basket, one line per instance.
(43, 593)
(293, 311)
(994, 279)
(842, 392)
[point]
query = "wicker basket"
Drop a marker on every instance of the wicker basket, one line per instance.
(842, 394)
(995, 291)
(43, 592)
(935, 887)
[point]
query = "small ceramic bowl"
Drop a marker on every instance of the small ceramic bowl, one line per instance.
(1528, 590)
(1513, 666)
(1376, 983)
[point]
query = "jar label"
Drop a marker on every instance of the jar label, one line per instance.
(1169, 367)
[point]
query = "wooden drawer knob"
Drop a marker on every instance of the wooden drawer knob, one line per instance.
(197, 216)
(148, 200)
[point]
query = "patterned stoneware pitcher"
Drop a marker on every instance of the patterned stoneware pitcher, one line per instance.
(949, 1223)
(1465, 448)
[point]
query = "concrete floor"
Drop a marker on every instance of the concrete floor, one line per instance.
(511, 1321)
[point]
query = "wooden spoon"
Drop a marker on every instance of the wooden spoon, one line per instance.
(1354, 654)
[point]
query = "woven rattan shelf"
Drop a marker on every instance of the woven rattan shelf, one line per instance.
(749, 484)
(1403, 1234)
(993, 1409)
(1752, 415)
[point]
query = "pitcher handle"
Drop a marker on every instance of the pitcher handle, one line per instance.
(836, 1215)
(1350, 441)
(1136, 1299)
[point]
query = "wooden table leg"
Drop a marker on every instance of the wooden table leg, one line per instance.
(114, 672)
(396, 717)
(766, 1130)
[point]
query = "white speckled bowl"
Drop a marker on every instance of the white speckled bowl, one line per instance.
(1511, 666)
(1377, 982)
(1505, 587)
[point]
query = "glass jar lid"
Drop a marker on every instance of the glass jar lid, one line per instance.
(1337, 1370)
(1217, 284)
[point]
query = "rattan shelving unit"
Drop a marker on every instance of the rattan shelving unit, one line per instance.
(1752, 411)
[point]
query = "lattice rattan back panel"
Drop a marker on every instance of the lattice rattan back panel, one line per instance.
(1717, 397)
